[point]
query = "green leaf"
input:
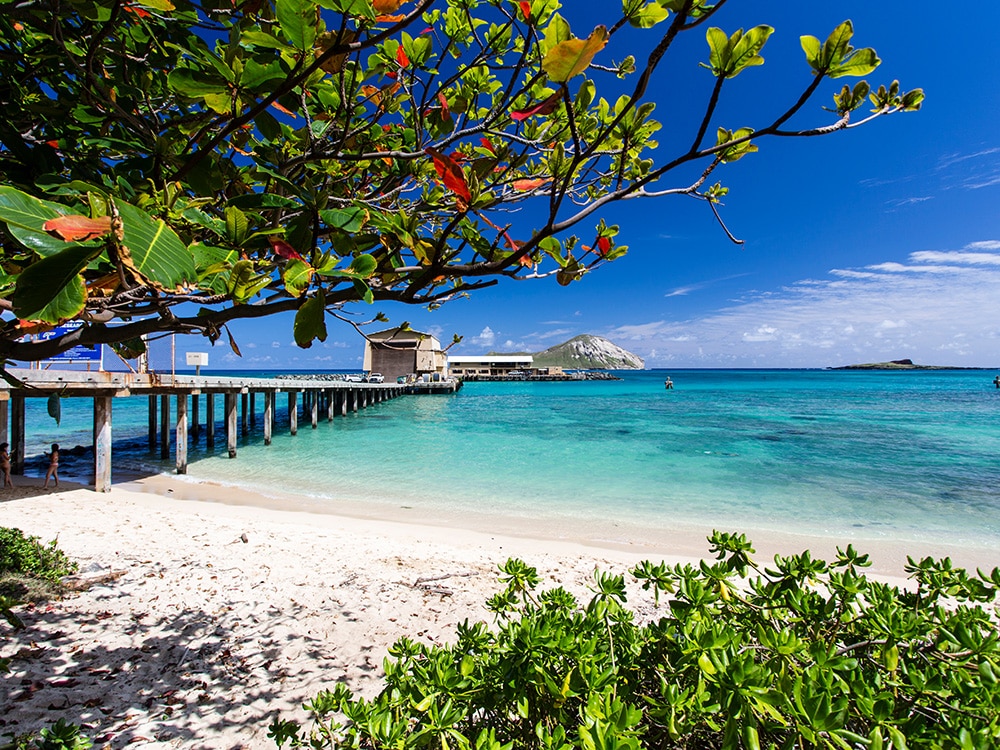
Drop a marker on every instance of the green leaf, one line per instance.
(298, 22)
(245, 282)
(310, 321)
(745, 53)
(363, 266)
(812, 47)
(25, 215)
(350, 220)
(860, 62)
(40, 284)
(297, 276)
(213, 265)
(364, 291)
(196, 84)
(647, 16)
(156, 251)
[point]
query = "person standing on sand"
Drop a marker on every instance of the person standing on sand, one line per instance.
(53, 470)
(5, 465)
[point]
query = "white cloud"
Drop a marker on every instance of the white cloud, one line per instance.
(938, 307)
(486, 337)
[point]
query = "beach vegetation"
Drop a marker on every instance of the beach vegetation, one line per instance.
(172, 166)
(727, 653)
(30, 570)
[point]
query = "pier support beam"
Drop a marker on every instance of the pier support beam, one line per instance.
(152, 423)
(195, 427)
(210, 420)
(181, 441)
(253, 409)
(329, 404)
(102, 442)
(244, 417)
(342, 402)
(293, 412)
(4, 420)
(17, 434)
(164, 427)
(231, 423)
(268, 415)
(314, 409)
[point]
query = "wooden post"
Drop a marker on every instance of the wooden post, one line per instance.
(244, 421)
(210, 420)
(231, 423)
(268, 415)
(181, 441)
(329, 405)
(4, 420)
(342, 401)
(253, 409)
(314, 409)
(17, 434)
(152, 423)
(102, 442)
(195, 427)
(293, 412)
(164, 427)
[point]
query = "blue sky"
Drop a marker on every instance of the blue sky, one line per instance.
(875, 244)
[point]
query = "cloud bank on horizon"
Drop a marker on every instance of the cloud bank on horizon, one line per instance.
(938, 308)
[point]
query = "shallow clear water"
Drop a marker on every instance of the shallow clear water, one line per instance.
(907, 455)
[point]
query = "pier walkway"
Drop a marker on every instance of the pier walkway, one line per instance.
(330, 397)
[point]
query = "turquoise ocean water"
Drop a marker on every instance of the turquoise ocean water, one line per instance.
(899, 455)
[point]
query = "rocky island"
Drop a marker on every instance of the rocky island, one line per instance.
(900, 364)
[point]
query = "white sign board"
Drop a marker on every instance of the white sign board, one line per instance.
(197, 359)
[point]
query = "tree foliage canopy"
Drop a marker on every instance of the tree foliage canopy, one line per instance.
(169, 166)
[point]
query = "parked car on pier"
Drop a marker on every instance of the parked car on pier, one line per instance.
(376, 377)
(354, 379)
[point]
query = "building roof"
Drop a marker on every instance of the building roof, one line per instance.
(490, 359)
(396, 335)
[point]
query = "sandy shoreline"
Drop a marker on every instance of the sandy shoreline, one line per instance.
(229, 611)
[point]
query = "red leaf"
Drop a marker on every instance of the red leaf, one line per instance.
(283, 250)
(547, 107)
(445, 112)
(526, 10)
(526, 185)
(603, 246)
(450, 173)
(401, 57)
(139, 12)
(78, 228)
(54, 144)
(488, 146)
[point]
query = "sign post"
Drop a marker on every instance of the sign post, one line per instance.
(77, 353)
(197, 359)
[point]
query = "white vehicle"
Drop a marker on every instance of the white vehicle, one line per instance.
(354, 379)
(376, 377)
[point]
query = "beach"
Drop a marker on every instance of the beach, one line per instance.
(225, 610)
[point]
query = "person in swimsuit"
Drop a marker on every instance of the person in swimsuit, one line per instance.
(53, 470)
(5, 465)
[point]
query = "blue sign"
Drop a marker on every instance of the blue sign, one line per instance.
(77, 353)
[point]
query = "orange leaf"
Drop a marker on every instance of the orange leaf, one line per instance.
(390, 19)
(283, 110)
(334, 63)
(78, 228)
(386, 6)
(526, 10)
(488, 146)
(401, 57)
(572, 57)
(546, 107)
(526, 185)
(450, 173)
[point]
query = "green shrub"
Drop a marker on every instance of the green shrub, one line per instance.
(798, 654)
(27, 556)
(60, 736)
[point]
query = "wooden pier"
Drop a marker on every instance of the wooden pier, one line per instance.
(331, 398)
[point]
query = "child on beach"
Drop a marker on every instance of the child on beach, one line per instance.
(5, 465)
(53, 470)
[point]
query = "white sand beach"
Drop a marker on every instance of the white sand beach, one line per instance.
(228, 611)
